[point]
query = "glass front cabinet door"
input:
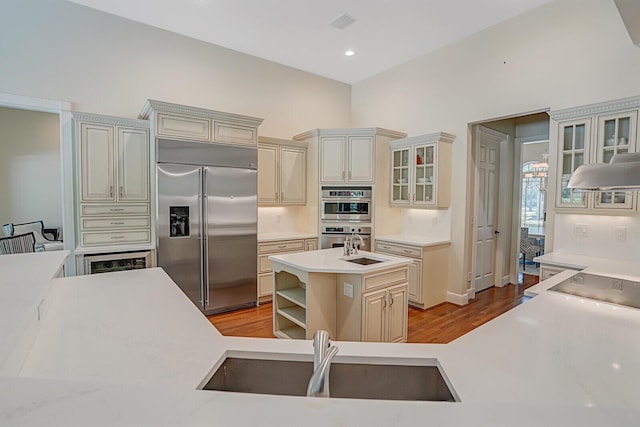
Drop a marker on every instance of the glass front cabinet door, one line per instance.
(400, 175)
(616, 134)
(424, 174)
(573, 145)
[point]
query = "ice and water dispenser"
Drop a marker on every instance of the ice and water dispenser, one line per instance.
(179, 221)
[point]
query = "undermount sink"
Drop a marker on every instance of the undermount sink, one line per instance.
(364, 261)
(347, 380)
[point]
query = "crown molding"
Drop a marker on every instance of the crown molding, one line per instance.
(350, 132)
(596, 109)
(110, 120)
(166, 107)
(278, 141)
(423, 139)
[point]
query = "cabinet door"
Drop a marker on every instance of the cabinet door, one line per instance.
(573, 146)
(373, 316)
(293, 175)
(332, 159)
(616, 135)
(424, 174)
(265, 285)
(97, 163)
(400, 193)
(415, 281)
(397, 312)
(311, 244)
(361, 165)
(133, 165)
(268, 174)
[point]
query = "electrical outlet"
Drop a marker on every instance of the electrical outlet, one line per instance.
(581, 230)
(616, 285)
(348, 290)
(621, 234)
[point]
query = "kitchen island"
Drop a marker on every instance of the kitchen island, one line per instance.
(360, 297)
(555, 360)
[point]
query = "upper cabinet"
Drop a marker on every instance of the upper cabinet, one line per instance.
(421, 171)
(348, 156)
(199, 124)
(593, 134)
(282, 172)
(112, 180)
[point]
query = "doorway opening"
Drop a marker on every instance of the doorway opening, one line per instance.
(519, 199)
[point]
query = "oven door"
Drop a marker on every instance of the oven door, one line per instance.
(328, 241)
(346, 209)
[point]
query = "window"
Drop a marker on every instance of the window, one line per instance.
(534, 182)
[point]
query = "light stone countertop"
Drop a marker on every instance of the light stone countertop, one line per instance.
(411, 239)
(291, 235)
(333, 261)
(555, 360)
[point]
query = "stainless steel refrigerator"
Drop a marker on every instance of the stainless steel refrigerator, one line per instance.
(207, 222)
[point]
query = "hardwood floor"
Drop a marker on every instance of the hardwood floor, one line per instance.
(440, 324)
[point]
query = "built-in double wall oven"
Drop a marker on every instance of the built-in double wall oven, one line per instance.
(344, 211)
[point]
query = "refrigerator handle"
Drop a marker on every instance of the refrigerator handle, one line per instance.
(201, 240)
(205, 239)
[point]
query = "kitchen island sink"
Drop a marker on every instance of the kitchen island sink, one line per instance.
(364, 261)
(347, 379)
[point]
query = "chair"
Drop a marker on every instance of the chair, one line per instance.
(528, 246)
(38, 230)
(18, 244)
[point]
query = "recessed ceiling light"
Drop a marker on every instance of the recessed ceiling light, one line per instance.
(349, 52)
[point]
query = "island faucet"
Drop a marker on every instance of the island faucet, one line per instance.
(323, 354)
(353, 243)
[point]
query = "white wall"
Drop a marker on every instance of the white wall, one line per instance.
(564, 54)
(105, 64)
(30, 186)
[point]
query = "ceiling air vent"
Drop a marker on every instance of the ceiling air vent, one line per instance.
(343, 21)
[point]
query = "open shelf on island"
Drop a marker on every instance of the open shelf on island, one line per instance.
(294, 313)
(294, 332)
(296, 295)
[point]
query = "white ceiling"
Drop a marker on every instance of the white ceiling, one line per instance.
(298, 33)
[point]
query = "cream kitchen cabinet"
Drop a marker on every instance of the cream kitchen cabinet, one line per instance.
(593, 134)
(420, 173)
(282, 172)
(428, 274)
(198, 124)
(385, 314)
(350, 156)
(274, 247)
(112, 180)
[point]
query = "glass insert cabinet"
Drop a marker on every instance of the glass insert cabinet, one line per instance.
(420, 171)
(594, 139)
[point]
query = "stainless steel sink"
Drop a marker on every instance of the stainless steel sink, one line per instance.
(347, 380)
(364, 261)
(601, 288)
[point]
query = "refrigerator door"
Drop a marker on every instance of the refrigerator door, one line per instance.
(180, 243)
(231, 251)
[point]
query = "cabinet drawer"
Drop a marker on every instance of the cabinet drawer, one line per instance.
(264, 264)
(234, 134)
(114, 209)
(288, 246)
(114, 222)
(408, 251)
(115, 238)
(385, 279)
(187, 127)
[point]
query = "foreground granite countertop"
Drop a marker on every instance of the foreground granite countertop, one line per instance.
(129, 349)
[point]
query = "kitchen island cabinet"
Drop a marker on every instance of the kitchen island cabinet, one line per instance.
(323, 290)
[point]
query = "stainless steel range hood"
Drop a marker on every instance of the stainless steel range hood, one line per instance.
(622, 173)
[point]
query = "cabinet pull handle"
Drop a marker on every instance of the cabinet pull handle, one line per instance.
(407, 251)
(386, 247)
(391, 303)
(117, 223)
(116, 237)
(282, 246)
(116, 209)
(111, 191)
(384, 302)
(121, 191)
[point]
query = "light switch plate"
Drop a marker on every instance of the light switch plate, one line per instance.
(348, 290)
(621, 234)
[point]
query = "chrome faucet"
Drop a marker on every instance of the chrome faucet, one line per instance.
(323, 354)
(353, 243)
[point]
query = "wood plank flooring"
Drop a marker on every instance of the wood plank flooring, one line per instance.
(440, 324)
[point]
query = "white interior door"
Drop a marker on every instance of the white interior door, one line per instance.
(486, 231)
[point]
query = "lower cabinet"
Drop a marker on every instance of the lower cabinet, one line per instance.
(428, 274)
(265, 270)
(385, 314)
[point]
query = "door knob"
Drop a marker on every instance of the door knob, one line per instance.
(496, 232)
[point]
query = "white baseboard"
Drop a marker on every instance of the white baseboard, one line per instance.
(458, 299)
